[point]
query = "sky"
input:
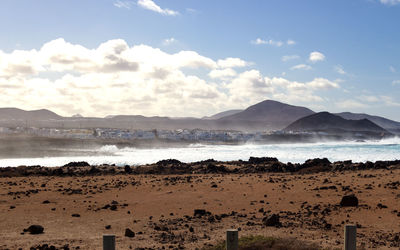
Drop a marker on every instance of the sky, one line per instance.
(197, 58)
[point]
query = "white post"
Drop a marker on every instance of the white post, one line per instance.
(232, 239)
(108, 242)
(350, 235)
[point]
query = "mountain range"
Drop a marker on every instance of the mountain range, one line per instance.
(267, 115)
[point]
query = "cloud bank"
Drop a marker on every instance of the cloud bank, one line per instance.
(116, 78)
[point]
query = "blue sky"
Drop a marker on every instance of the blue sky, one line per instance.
(340, 55)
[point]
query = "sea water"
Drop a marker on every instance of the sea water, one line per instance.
(295, 153)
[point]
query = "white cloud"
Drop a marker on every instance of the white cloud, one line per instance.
(322, 83)
(290, 42)
(389, 101)
(301, 67)
(250, 85)
(316, 56)
(392, 69)
(123, 4)
(390, 2)
(396, 82)
(339, 69)
(368, 98)
(348, 104)
(290, 58)
(151, 5)
(222, 73)
(169, 41)
(231, 62)
(271, 42)
(115, 78)
(259, 41)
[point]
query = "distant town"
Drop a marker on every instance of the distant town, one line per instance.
(118, 134)
(178, 135)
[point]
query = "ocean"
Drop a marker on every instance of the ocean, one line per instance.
(295, 153)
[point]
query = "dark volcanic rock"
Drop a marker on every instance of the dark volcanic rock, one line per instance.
(167, 162)
(129, 233)
(77, 164)
(35, 229)
(271, 221)
(128, 169)
(316, 162)
(349, 201)
(199, 212)
(213, 169)
(259, 160)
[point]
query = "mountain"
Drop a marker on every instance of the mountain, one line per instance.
(381, 121)
(327, 122)
(19, 114)
(222, 114)
(268, 114)
(263, 116)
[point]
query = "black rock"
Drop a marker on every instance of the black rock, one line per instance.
(271, 221)
(77, 164)
(199, 212)
(349, 201)
(128, 169)
(76, 215)
(35, 229)
(129, 233)
(108, 227)
(260, 160)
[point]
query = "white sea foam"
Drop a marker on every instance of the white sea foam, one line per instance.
(296, 153)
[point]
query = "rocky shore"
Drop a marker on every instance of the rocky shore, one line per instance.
(171, 166)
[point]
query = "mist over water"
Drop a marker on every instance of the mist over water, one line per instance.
(295, 153)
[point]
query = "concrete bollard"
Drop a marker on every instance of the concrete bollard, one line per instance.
(350, 235)
(232, 239)
(108, 242)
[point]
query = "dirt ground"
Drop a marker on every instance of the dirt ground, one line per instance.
(159, 209)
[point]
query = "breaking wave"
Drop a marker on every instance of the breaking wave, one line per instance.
(388, 149)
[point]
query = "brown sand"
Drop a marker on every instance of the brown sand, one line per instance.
(154, 208)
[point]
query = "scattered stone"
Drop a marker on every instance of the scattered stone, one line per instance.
(129, 233)
(199, 212)
(271, 221)
(34, 229)
(349, 201)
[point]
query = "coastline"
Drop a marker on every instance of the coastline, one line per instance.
(255, 165)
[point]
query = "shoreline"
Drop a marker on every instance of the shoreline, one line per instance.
(172, 166)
